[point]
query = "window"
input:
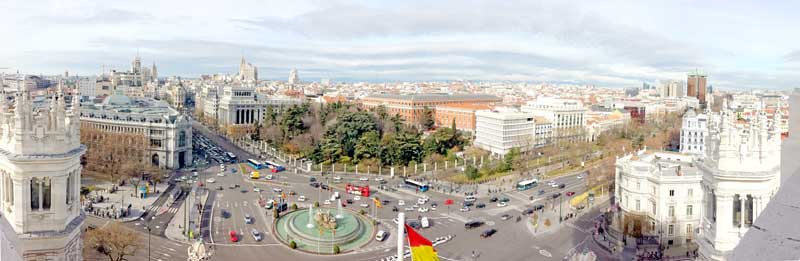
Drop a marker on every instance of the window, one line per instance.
(653, 205)
(638, 186)
(671, 192)
(689, 210)
(737, 210)
(689, 231)
(181, 139)
(671, 230)
(689, 192)
(672, 211)
(638, 204)
(34, 194)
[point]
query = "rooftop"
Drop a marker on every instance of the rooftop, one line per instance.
(468, 106)
(434, 97)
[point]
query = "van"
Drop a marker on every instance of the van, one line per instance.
(425, 222)
(381, 235)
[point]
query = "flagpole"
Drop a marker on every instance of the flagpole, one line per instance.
(401, 218)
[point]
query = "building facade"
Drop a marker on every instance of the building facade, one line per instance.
(462, 114)
(410, 107)
(500, 131)
(696, 86)
(241, 105)
(694, 132)
(40, 173)
(170, 134)
(662, 192)
(567, 116)
(247, 72)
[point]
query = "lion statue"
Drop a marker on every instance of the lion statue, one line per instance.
(325, 220)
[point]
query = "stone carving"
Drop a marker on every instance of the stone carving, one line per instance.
(324, 219)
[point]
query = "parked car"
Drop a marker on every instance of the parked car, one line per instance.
(488, 233)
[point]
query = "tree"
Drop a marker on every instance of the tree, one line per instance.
(368, 146)
(292, 244)
(381, 112)
(114, 241)
(426, 119)
(471, 172)
(336, 249)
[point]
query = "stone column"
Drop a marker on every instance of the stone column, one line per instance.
(22, 188)
(743, 210)
(724, 214)
(58, 194)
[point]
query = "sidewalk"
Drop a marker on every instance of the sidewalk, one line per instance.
(174, 230)
(123, 200)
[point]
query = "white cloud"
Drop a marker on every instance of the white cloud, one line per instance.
(613, 43)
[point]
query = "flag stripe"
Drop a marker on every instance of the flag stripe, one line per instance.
(415, 239)
(424, 253)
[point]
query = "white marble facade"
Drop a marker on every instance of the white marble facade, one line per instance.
(40, 173)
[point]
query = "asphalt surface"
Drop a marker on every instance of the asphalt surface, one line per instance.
(513, 241)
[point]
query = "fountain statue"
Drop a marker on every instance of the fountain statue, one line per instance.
(339, 213)
(310, 216)
(325, 220)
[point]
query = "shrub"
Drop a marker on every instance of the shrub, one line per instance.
(316, 204)
(275, 213)
(294, 206)
(292, 244)
(336, 249)
(361, 211)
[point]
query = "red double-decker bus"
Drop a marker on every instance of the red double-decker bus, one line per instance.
(358, 190)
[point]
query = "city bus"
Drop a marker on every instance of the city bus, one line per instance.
(275, 167)
(527, 184)
(255, 164)
(422, 187)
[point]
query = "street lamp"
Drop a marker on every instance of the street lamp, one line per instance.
(147, 226)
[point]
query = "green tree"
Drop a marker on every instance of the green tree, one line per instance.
(381, 112)
(292, 244)
(368, 146)
(336, 249)
(426, 119)
(471, 172)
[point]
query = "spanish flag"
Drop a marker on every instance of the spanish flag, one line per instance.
(377, 202)
(421, 248)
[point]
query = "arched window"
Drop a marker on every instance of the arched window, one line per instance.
(34, 194)
(181, 138)
(46, 193)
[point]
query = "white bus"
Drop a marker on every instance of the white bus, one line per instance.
(527, 184)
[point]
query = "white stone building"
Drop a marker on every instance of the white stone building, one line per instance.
(241, 105)
(247, 72)
(500, 131)
(87, 86)
(567, 116)
(666, 189)
(169, 132)
(40, 173)
(694, 133)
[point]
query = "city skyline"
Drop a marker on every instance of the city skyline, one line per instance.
(740, 45)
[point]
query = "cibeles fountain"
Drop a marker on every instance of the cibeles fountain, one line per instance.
(319, 230)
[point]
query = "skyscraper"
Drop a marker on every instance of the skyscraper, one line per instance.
(696, 86)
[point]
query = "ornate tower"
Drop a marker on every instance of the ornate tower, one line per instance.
(40, 171)
(741, 174)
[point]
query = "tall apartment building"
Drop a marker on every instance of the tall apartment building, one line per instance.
(696, 86)
(500, 131)
(567, 116)
(410, 107)
(671, 88)
(87, 86)
(694, 132)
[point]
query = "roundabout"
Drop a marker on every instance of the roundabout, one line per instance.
(320, 230)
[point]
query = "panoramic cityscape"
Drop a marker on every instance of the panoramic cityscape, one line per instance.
(376, 131)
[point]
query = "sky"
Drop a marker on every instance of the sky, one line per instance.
(738, 44)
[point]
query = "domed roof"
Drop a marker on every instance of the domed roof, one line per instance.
(117, 99)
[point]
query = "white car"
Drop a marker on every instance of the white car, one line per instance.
(357, 198)
(363, 179)
(401, 203)
(268, 177)
(194, 174)
(421, 201)
(221, 174)
(464, 209)
(470, 199)
(378, 179)
(501, 204)
(337, 179)
(279, 190)
(301, 198)
(554, 185)
(415, 206)
(326, 202)
(396, 221)
(422, 210)
(257, 189)
(580, 176)
(433, 207)
(409, 208)
(211, 180)
(364, 205)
